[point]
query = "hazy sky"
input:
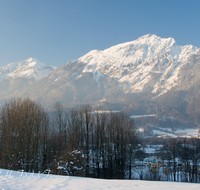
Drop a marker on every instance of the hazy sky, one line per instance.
(56, 31)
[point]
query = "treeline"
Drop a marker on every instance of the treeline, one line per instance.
(80, 142)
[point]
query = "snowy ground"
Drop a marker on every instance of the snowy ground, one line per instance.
(15, 180)
(188, 133)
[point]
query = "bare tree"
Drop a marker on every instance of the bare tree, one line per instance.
(88, 120)
(195, 156)
(174, 151)
(60, 119)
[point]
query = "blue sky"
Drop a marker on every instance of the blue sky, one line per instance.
(56, 31)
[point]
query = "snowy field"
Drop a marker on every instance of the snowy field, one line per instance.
(11, 180)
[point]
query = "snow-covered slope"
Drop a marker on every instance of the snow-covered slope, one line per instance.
(18, 180)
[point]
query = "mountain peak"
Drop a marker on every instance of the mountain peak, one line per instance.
(154, 39)
(29, 68)
(147, 36)
(32, 62)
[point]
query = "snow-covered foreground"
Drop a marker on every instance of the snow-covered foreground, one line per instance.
(15, 180)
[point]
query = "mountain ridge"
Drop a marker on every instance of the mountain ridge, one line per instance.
(141, 53)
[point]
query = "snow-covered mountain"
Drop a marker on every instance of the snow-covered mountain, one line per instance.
(18, 75)
(150, 75)
(30, 69)
(136, 63)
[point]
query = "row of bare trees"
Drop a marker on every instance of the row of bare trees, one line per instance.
(107, 140)
(184, 158)
(79, 141)
(177, 160)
